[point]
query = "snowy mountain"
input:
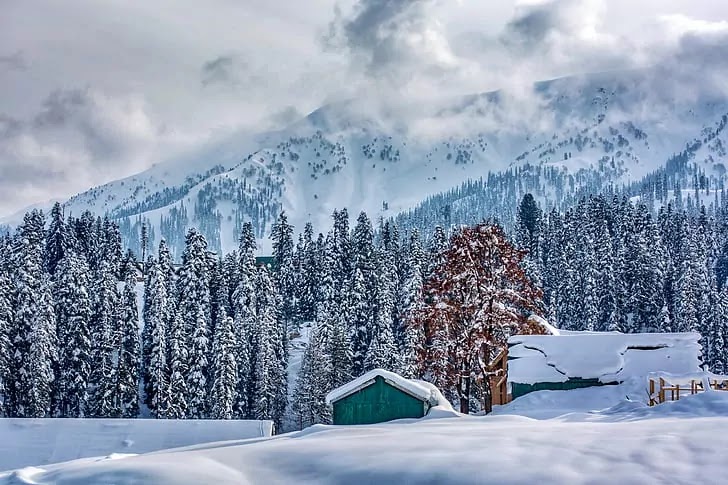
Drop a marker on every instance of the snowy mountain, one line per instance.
(617, 127)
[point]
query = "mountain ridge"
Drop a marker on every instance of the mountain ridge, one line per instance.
(345, 155)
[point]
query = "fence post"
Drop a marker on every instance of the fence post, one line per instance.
(661, 394)
(652, 392)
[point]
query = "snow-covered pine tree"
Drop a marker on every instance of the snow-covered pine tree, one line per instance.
(269, 369)
(128, 365)
(86, 238)
(382, 352)
(314, 378)
(105, 344)
(642, 272)
(219, 295)
(342, 249)
(32, 334)
(73, 318)
(174, 403)
(110, 248)
(6, 315)
(56, 239)
(527, 234)
(720, 337)
(194, 306)
(411, 332)
(359, 317)
(245, 328)
(333, 315)
(242, 352)
(687, 301)
(42, 354)
(192, 284)
(154, 337)
(197, 378)
(308, 280)
(225, 370)
(283, 269)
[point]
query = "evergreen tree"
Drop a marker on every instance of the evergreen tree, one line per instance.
(382, 351)
(197, 383)
(73, 317)
(174, 403)
(56, 239)
(6, 322)
(269, 373)
(41, 355)
(105, 344)
(225, 370)
(33, 333)
(154, 337)
(247, 333)
(359, 322)
(283, 269)
(128, 365)
(314, 381)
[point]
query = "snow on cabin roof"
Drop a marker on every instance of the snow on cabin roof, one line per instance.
(405, 385)
(607, 356)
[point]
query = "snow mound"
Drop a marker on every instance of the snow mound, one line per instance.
(441, 407)
(414, 388)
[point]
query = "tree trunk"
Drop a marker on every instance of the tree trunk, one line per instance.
(464, 391)
(487, 395)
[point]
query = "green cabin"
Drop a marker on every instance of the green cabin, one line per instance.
(379, 396)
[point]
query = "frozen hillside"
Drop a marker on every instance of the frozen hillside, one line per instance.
(615, 126)
(679, 442)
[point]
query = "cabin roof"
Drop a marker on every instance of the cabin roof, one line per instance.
(607, 356)
(405, 385)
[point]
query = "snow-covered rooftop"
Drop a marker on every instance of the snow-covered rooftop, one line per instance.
(405, 385)
(607, 356)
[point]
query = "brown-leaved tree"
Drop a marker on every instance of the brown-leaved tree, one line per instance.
(477, 296)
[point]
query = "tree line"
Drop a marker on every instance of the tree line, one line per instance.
(212, 340)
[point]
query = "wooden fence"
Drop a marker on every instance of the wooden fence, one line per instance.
(668, 387)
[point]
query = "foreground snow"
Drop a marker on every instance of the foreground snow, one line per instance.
(681, 442)
(37, 442)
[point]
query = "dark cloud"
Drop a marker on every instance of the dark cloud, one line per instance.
(220, 70)
(60, 107)
(286, 116)
(391, 38)
(14, 62)
(75, 135)
(533, 26)
(9, 126)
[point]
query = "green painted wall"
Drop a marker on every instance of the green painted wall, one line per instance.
(518, 389)
(377, 403)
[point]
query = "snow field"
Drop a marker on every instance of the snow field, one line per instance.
(681, 442)
(37, 442)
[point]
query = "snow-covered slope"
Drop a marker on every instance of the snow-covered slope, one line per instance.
(679, 442)
(620, 125)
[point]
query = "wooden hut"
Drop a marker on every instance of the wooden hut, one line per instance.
(379, 396)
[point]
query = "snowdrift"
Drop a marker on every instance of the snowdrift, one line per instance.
(37, 442)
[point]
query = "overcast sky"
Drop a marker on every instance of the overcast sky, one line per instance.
(94, 90)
